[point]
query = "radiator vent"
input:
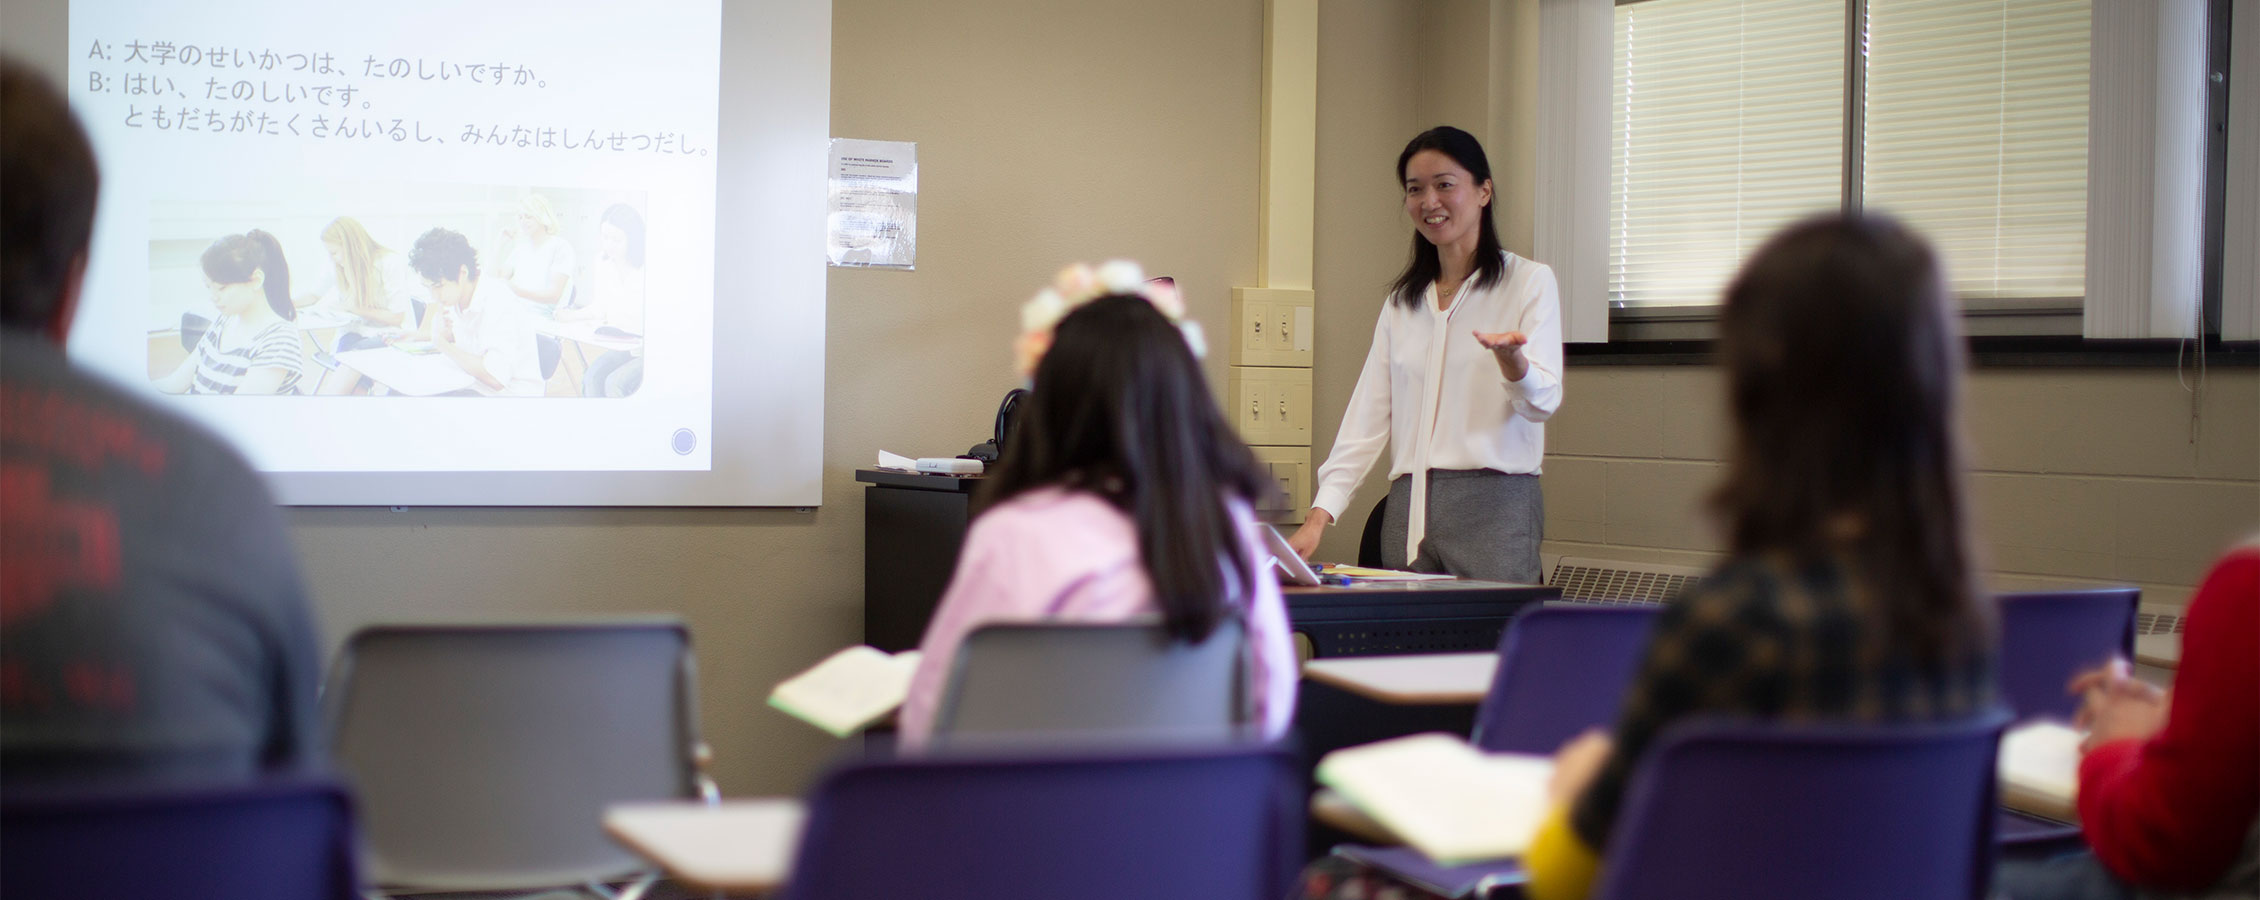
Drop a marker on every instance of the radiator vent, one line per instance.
(1611, 581)
(2157, 622)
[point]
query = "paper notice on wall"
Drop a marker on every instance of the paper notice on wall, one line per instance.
(873, 220)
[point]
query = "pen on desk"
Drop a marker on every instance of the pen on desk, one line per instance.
(1342, 580)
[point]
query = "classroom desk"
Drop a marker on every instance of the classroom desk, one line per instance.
(1399, 617)
(411, 374)
(738, 845)
(1421, 678)
(1418, 692)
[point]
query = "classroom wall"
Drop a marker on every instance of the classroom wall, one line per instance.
(1051, 132)
(2118, 475)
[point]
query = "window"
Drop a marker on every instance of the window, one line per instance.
(1966, 118)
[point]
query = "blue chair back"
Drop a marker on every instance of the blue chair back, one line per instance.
(1562, 669)
(284, 839)
(1728, 809)
(2048, 636)
(1219, 823)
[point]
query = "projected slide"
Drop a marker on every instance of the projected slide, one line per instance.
(419, 236)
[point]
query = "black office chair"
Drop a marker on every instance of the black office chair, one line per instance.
(550, 350)
(192, 328)
(1369, 545)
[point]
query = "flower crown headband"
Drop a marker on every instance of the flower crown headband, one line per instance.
(1079, 284)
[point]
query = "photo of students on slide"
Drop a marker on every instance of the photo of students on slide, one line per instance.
(369, 285)
(537, 263)
(612, 298)
(475, 320)
(251, 346)
(363, 316)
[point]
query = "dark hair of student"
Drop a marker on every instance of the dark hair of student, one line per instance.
(441, 255)
(47, 185)
(630, 223)
(1843, 365)
(232, 259)
(1120, 408)
(1425, 267)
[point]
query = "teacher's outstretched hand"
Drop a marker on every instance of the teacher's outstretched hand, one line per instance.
(1507, 346)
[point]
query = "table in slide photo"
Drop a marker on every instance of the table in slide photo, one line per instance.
(584, 334)
(412, 374)
(588, 332)
(738, 845)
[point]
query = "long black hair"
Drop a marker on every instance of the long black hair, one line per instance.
(1425, 267)
(232, 259)
(1843, 366)
(1120, 409)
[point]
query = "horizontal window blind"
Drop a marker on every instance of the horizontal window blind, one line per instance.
(1729, 123)
(1976, 134)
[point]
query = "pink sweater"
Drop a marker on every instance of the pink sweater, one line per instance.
(1069, 556)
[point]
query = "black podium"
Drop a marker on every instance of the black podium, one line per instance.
(913, 525)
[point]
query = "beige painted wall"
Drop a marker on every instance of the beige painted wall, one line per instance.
(2079, 474)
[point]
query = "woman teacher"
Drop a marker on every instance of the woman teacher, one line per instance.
(1464, 371)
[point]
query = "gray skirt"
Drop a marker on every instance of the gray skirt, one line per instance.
(1482, 524)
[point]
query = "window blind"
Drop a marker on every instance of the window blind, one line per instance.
(1976, 134)
(1729, 123)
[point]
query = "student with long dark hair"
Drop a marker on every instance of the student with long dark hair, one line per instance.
(1464, 371)
(1122, 493)
(252, 346)
(1848, 591)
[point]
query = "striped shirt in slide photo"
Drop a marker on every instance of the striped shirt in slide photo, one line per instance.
(220, 369)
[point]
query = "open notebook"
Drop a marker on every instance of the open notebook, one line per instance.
(2039, 770)
(1447, 799)
(849, 690)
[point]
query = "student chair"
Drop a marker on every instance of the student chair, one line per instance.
(2049, 636)
(2046, 638)
(548, 350)
(486, 754)
(1727, 809)
(192, 328)
(1563, 668)
(1092, 684)
(1208, 824)
(287, 839)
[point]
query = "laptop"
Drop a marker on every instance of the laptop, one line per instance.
(1285, 561)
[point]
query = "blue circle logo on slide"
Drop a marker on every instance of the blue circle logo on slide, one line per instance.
(685, 441)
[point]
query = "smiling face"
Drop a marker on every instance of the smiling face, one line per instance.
(1445, 202)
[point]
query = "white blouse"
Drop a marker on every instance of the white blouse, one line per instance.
(1433, 392)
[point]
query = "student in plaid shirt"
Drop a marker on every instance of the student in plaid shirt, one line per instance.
(1848, 590)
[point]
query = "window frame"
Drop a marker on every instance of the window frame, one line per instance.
(2001, 332)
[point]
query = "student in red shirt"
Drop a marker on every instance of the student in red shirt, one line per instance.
(2169, 789)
